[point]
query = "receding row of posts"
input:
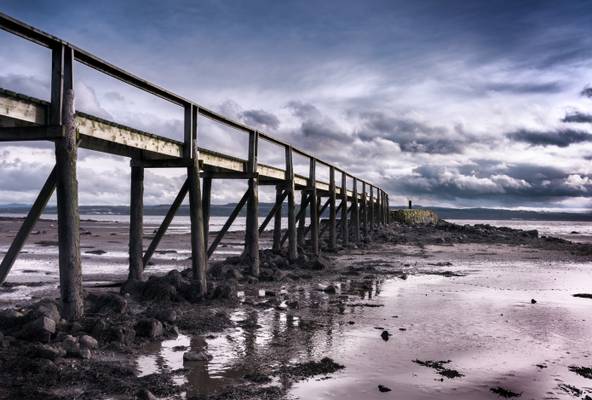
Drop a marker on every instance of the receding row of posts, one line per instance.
(351, 215)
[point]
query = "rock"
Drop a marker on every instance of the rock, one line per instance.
(76, 327)
(150, 328)
(385, 335)
(88, 342)
(108, 303)
(166, 315)
(320, 263)
(46, 351)
(157, 289)
(330, 289)
(145, 394)
(197, 356)
(97, 252)
(85, 353)
(40, 329)
(533, 301)
(383, 389)
(234, 274)
(46, 308)
(133, 287)
(71, 346)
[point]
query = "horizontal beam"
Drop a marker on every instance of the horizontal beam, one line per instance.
(28, 133)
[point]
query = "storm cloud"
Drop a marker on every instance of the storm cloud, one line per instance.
(559, 138)
(577, 117)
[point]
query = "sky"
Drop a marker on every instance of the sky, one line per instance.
(444, 102)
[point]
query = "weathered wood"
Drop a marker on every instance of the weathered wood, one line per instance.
(280, 195)
(371, 209)
(364, 211)
(320, 213)
(314, 209)
(356, 213)
(332, 211)
(251, 252)
(66, 150)
(166, 163)
(344, 223)
(28, 224)
(165, 223)
(301, 218)
(272, 213)
(136, 233)
(206, 204)
(198, 252)
(292, 245)
(325, 227)
(237, 209)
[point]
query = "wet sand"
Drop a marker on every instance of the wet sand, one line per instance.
(440, 295)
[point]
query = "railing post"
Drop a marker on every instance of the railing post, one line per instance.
(332, 211)
(314, 208)
(356, 212)
(292, 244)
(344, 224)
(66, 150)
(252, 232)
(136, 228)
(198, 248)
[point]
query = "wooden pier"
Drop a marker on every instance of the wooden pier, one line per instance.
(352, 213)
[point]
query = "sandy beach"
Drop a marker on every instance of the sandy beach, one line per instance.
(446, 312)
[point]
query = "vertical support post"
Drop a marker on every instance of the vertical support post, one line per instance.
(206, 203)
(314, 208)
(332, 211)
(371, 209)
(136, 233)
(277, 222)
(344, 224)
(198, 249)
(302, 219)
(356, 212)
(66, 150)
(252, 232)
(292, 244)
(364, 211)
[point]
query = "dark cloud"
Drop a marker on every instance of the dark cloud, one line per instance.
(493, 182)
(411, 136)
(525, 88)
(577, 117)
(317, 129)
(587, 92)
(560, 138)
(260, 118)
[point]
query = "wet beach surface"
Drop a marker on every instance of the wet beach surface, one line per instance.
(441, 318)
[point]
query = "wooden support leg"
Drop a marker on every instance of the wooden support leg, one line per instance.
(344, 224)
(314, 209)
(136, 264)
(292, 245)
(206, 203)
(356, 214)
(165, 223)
(276, 206)
(252, 233)
(66, 150)
(364, 212)
(277, 223)
(27, 226)
(301, 217)
(332, 211)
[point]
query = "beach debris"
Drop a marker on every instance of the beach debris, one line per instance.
(586, 372)
(384, 389)
(533, 301)
(500, 391)
(385, 335)
(311, 368)
(440, 367)
(97, 252)
(583, 295)
(572, 390)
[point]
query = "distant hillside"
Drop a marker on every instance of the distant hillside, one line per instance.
(264, 208)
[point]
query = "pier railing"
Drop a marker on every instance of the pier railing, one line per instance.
(352, 213)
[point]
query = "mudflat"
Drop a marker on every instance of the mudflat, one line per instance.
(414, 312)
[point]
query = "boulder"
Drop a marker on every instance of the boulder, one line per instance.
(150, 328)
(108, 303)
(161, 290)
(39, 329)
(88, 342)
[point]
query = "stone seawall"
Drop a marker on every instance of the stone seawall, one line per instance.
(415, 217)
